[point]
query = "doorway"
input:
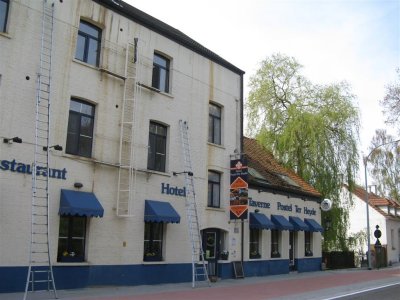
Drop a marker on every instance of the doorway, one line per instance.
(292, 251)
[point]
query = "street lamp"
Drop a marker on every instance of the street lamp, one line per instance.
(367, 200)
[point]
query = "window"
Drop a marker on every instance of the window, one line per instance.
(275, 236)
(80, 128)
(308, 243)
(157, 147)
(392, 239)
(214, 124)
(71, 239)
(160, 73)
(88, 43)
(214, 187)
(153, 241)
(255, 243)
(4, 4)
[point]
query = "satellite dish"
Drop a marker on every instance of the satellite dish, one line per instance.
(326, 204)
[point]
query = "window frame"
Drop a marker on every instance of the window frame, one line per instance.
(156, 160)
(255, 243)
(275, 243)
(87, 41)
(3, 27)
(62, 254)
(152, 240)
(212, 185)
(214, 132)
(78, 134)
(308, 239)
(160, 71)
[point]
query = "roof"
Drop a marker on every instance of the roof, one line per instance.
(276, 175)
(166, 30)
(374, 200)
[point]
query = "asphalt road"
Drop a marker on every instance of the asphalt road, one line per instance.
(388, 292)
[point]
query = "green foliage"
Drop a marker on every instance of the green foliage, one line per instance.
(384, 164)
(312, 129)
(391, 102)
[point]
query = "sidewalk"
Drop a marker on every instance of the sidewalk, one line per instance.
(312, 285)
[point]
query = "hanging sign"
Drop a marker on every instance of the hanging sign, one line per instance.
(239, 199)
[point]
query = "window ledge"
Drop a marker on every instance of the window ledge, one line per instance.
(73, 156)
(154, 262)
(216, 145)
(71, 264)
(151, 172)
(5, 34)
(85, 64)
(215, 209)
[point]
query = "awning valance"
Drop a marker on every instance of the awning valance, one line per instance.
(314, 226)
(260, 221)
(76, 203)
(298, 224)
(157, 211)
(281, 222)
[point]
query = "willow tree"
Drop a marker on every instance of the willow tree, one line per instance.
(312, 129)
(385, 164)
(391, 103)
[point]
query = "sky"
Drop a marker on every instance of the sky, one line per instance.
(357, 41)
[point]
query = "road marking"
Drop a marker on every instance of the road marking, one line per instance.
(363, 291)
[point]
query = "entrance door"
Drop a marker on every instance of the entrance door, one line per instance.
(292, 245)
(211, 249)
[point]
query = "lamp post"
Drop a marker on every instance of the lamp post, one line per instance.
(367, 200)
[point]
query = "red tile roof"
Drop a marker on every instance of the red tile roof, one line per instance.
(264, 162)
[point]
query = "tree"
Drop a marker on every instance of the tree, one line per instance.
(391, 102)
(312, 129)
(385, 164)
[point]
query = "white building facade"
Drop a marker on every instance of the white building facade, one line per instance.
(105, 55)
(383, 213)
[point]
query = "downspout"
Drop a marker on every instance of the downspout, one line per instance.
(241, 151)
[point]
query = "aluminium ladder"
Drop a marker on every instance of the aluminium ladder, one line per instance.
(199, 268)
(40, 272)
(132, 92)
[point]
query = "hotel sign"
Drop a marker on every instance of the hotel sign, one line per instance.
(239, 189)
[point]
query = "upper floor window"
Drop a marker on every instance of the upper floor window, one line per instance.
(214, 124)
(160, 73)
(80, 128)
(157, 147)
(88, 43)
(4, 4)
(214, 187)
(71, 239)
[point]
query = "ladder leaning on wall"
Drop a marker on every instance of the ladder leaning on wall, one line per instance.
(40, 272)
(199, 268)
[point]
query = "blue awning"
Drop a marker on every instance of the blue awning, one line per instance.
(314, 226)
(157, 211)
(281, 222)
(76, 203)
(260, 221)
(298, 224)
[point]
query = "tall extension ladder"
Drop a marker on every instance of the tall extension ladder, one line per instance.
(127, 172)
(199, 268)
(40, 271)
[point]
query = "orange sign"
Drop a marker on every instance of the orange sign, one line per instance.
(238, 210)
(239, 183)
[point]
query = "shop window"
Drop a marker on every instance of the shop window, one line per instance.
(214, 189)
(80, 128)
(88, 44)
(308, 243)
(153, 241)
(4, 4)
(214, 124)
(157, 147)
(71, 239)
(275, 243)
(160, 79)
(255, 243)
